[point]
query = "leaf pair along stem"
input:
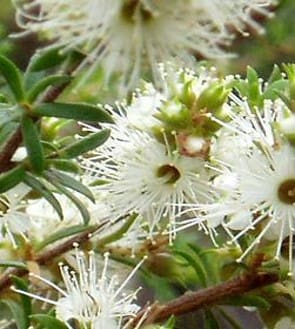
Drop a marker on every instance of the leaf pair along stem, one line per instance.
(16, 138)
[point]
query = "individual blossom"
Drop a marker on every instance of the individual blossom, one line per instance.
(13, 219)
(95, 299)
(144, 176)
(128, 36)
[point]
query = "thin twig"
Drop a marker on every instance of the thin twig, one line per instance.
(48, 254)
(193, 301)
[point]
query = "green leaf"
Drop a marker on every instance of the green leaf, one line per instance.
(33, 145)
(117, 234)
(21, 284)
(69, 182)
(53, 80)
(45, 59)
(84, 145)
(197, 264)
(17, 312)
(12, 263)
(6, 131)
(64, 165)
(253, 85)
(13, 78)
(63, 233)
(48, 322)
(76, 111)
(249, 300)
(8, 114)
(76, 201)
(40, 187)
(210, 321)
(275, 75)
(11, 178)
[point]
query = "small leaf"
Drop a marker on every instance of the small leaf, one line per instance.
(69, 182)
(63, 233)
(76, 201)
(76, 111)
(117, 234)
(53, 80)
(37, 185)
(11, 178)
(249, 300)
(275, 75)
(13, 78)
(196, 263)
(12, 263)
(21, 284)
(64, 165)
(210, 321)
(45, 59)
(48, 322)
(84, 145)
(33, 144)
(17, 312)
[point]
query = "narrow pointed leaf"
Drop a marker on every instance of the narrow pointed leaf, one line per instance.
(13, 77)
(17, 313)
(197, 266)
(45, 59)
(69, 182)
(84, 145)
(21, 284)
(48, 322)
(76, 201)
(54, 80)
(12, 263)
(63, 233)
(40, 187)
(64, 165)
(76, 111)
(33, 145)
(11, 178)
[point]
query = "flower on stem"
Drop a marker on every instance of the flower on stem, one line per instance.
(128, 36)
(94, 301)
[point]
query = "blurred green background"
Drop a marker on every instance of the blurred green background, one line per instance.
(277, 45)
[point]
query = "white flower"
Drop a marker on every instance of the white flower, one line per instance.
(146, 177)
(125, 36)
(13, 219)
(94, 298)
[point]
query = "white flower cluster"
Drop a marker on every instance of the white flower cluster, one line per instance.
(197, 154)
(126, 36)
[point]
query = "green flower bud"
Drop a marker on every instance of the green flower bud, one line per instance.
(212, 98)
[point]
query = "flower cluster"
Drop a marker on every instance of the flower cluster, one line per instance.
(197, 153)
(128, 36)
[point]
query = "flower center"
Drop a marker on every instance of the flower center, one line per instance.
(129, 11)
(286, 191)
(170, 172)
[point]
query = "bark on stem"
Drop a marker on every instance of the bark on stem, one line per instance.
(193, 301)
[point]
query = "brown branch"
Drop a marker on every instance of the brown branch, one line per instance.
(193, 301)
(47, 255)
